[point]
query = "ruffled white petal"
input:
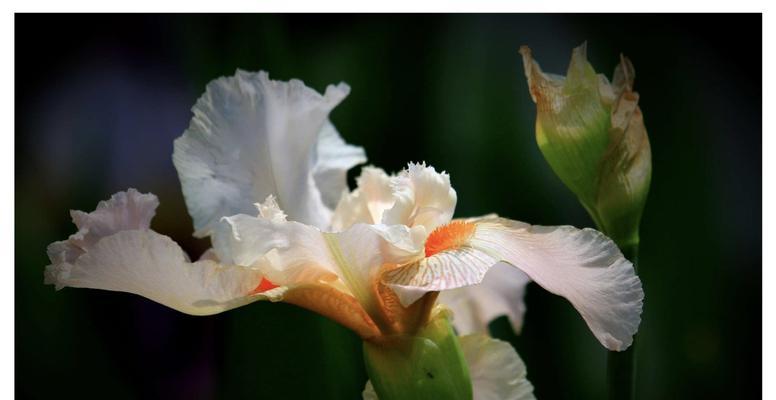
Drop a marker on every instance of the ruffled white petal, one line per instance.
(423, 196)
(251, 137)
(123, 211)
(367, 203)
(500, 293)
(496, 370)
(418, 197)
(115, 250)
(582, 265)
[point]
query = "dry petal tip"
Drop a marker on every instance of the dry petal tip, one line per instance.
(525, 51)
(528, 68)
(624, 75)
(580, 72)
(580, 51)
(538, 82)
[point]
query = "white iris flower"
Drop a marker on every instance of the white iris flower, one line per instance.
(263, 173)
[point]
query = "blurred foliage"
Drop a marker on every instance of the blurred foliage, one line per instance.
(99, 99)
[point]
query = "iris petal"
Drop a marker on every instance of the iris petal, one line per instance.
(251, 137)
(582, 265)
(115, 250)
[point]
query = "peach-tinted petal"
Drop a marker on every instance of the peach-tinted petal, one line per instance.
(115, 250)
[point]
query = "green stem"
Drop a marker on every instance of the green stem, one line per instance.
(426, 365)
(621, 365)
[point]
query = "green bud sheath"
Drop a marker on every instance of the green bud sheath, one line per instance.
(572, 125)
(592, 134)
(426, 365)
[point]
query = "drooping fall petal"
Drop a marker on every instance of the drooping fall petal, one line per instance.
(582, 265)
(114, 249)
(251, 137)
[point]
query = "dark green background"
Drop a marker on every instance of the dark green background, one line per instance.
(99, 100)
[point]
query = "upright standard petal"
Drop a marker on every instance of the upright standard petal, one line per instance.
(423, 196)
(251, 137)
(334, 159)
(114, 250)
(584, 266)
(418, 197)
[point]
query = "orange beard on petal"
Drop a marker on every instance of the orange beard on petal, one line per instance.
(449, 236)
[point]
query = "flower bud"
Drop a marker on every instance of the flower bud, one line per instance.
(592, 134)
(426, 365)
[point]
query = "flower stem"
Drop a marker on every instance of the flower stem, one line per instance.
(621, 365)
(426, 365)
